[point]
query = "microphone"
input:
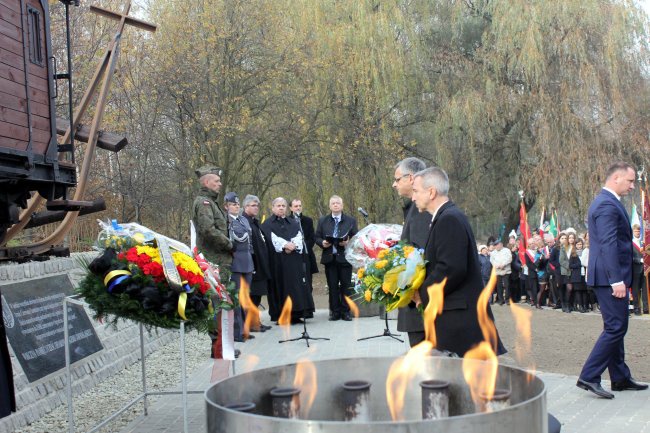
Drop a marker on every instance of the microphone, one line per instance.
(363, 212)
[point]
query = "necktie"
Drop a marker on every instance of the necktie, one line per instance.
(335, 233)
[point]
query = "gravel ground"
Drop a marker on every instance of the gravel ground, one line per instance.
(92, 407)
(560, 344)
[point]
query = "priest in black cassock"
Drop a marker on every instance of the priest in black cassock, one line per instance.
(7, 396)
(288, 263)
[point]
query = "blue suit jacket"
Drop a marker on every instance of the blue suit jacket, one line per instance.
(610, 242)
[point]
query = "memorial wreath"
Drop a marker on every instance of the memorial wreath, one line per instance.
(151, 279)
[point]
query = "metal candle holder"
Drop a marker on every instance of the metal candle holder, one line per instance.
(435, 399)
(285, 402)
(356, 398)
(247, 407)
(499, 401)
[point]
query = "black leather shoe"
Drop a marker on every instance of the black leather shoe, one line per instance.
(346, 317)
(237, 353)
(595, 388)
(266, 327)
(335, 317)
(628, 384)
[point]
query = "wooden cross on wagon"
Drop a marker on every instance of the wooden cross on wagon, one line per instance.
(103, 76)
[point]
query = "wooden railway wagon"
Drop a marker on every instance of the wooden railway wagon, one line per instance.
(29, 152)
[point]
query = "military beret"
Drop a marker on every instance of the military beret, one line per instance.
(231, 197)
(208, 169)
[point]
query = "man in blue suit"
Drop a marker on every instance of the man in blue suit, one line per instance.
(610, 274)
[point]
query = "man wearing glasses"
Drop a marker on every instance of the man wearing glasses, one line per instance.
(415, 232)
(262, 269)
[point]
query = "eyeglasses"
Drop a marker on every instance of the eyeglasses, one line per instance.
(397, 179)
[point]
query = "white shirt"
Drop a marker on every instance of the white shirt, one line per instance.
(618, 197)
(436, 212)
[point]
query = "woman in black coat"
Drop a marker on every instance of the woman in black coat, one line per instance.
(577, 278)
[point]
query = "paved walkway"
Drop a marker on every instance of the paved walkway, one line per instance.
(577, 410)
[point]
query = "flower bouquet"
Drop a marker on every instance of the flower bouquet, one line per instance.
(369, 241)
(149, 278)
(391, 278)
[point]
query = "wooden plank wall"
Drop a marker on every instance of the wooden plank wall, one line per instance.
(14, 132)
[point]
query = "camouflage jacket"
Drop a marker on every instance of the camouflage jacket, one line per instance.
(210, 222)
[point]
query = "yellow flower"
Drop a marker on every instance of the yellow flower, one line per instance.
(408, 250)
(360, 273)
(380, 264)
(186, 262)
(367, 295)
(150, 251)
(180, 259)
(382, 253)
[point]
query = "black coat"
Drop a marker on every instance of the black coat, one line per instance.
(554, 263)
(347, 227)
(576, 270)
(451, 253)
(260, 254)
(415, 232)
(308, 232)
(288, 270)
(535, 265)
(515, 265)
(486, 266)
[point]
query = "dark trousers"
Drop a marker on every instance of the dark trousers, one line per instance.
(416, 337)
(503, 288)
(533, 287)
(552, 284)
(609, 350)
(339, 277)
(240, 314)
(514, 287)
(257, 300)
(639, 290)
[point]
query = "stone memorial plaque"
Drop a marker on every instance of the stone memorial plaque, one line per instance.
(33, 317)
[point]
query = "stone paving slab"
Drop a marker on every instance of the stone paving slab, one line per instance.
(577, 410)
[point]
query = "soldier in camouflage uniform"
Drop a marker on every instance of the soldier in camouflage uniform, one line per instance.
(210, 221)
(211, 225)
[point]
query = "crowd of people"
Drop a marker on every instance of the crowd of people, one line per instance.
(553, 273)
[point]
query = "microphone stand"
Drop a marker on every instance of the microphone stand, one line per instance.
(386, 332)
(305, 335)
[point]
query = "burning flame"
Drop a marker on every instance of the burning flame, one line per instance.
(306, 381)
(433, 309)
(400, 375)
(523, 345)
(353, 307)
(285, 314)
(481, 376)
(252, 312)
(485, 322)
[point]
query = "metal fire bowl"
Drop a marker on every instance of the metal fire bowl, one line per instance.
(527, 412)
